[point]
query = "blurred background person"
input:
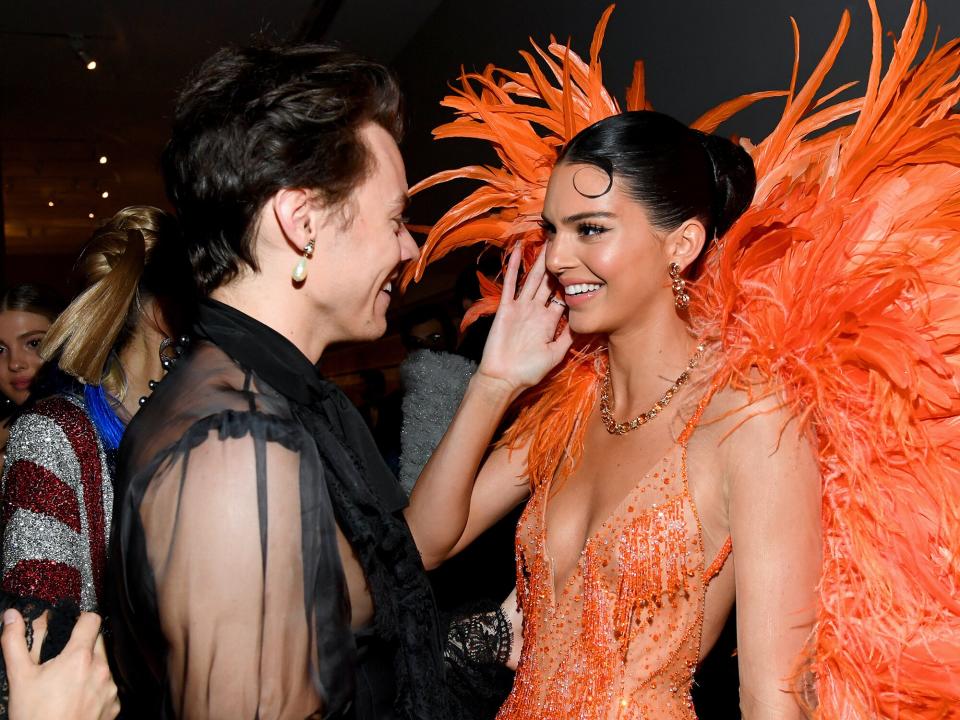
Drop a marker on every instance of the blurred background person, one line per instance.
(108, 350)
(26, 312)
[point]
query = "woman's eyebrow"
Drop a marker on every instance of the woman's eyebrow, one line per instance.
(585, 215)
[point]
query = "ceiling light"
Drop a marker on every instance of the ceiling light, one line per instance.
(103, 159)
(105, 194)
(77, 42)
(50, 203)
(90, 215)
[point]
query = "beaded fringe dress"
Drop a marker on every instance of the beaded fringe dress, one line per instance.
(839, 287)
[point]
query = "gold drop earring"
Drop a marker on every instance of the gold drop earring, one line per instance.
(299, 273)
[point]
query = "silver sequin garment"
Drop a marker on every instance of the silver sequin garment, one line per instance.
(55, 468)
(433, 384)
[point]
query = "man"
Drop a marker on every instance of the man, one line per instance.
(263, 564)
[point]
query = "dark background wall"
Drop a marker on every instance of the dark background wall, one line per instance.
(698, 53)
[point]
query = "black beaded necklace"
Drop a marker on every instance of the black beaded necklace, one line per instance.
(170, 351)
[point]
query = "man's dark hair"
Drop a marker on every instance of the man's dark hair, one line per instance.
(252, 121)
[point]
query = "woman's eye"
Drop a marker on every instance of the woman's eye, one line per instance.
(588, 229)
(35, 343)
(548, 229)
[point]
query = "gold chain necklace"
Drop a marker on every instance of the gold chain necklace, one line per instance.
(606, 394)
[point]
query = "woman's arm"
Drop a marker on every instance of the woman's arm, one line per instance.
(522, 347)
(775, 525)
(43, 498)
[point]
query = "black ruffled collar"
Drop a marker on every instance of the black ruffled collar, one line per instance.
(260, 348)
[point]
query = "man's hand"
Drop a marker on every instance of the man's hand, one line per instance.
(75, 685)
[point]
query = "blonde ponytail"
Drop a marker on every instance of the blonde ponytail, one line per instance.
(111, 266)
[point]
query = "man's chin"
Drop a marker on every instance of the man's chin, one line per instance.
(375, 329)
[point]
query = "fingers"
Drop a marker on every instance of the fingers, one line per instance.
(557, 306)
(86, 633)
(14, 642)
(112, 701)
(545, 291)
(535, 277)
(39, 625)
(99, 649)
(510, 276)
(562, 343)
(111, 712)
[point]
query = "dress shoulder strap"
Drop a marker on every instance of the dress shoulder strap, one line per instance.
(698, 413)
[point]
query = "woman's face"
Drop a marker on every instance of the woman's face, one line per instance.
(609, 260)
(20, 335)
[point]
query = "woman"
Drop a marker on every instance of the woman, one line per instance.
(649, 194)
(113, 343)
(26, 312)
(630, 586)
(829, 305)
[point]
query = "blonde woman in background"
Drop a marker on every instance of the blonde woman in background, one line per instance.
(112, 344)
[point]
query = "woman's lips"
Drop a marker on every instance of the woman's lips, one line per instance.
(581, 297)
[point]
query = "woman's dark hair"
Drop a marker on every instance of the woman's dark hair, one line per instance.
(676, 173)
(252, 121)
(31, 298)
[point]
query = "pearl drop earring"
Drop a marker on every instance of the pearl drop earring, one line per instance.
(299, 273)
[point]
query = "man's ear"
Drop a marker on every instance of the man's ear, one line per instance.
(292, 208)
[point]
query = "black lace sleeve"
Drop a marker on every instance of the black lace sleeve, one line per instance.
(481, 638)
(477, 644)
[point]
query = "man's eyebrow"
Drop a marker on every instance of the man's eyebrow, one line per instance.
(401, 202)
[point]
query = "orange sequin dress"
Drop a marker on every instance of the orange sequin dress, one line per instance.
(620, 638)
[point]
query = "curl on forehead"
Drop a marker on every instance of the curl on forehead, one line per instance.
(592, 181)
(675, 173)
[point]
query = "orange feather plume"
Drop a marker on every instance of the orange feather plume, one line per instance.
(840, 286)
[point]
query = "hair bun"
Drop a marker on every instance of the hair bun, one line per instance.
(734, 177)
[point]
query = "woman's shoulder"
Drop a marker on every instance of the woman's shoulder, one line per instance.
(54, 435)
(754, 426)
(63, 411)
(750, 415)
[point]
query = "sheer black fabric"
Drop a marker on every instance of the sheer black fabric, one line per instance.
(229, 597)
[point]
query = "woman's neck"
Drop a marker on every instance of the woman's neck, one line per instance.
(140, 360)
(645, 360)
